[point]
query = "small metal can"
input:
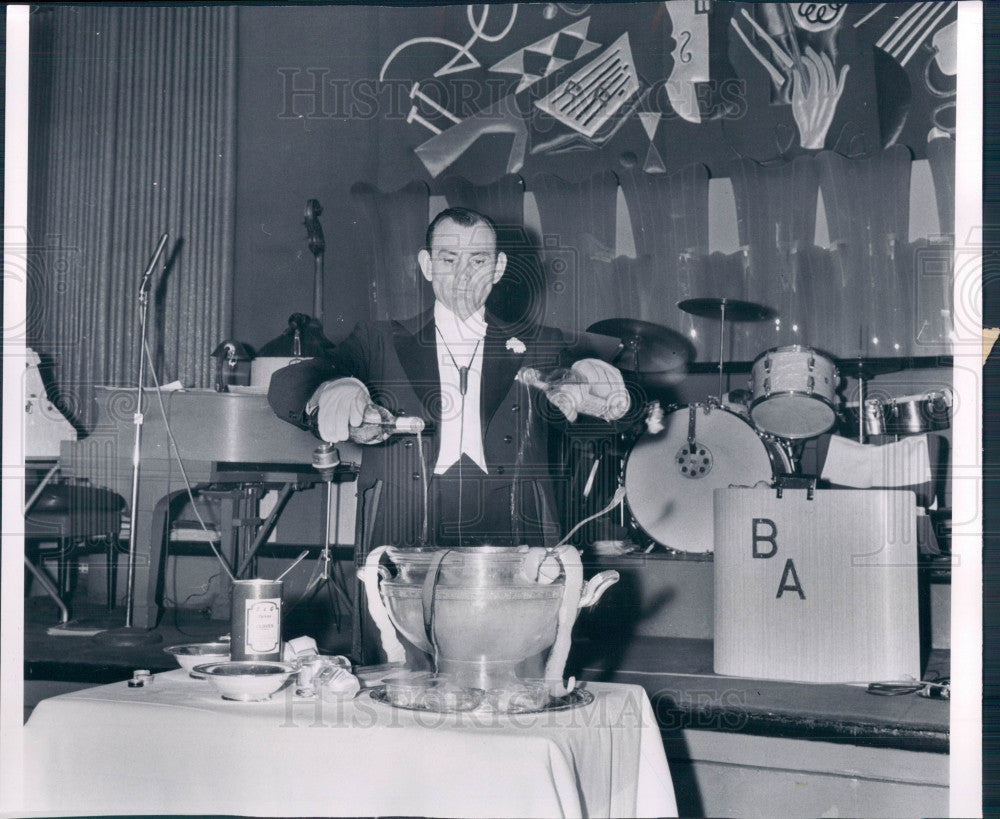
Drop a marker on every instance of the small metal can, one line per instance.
(255, 629)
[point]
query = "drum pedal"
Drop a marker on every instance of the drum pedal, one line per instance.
(784, 480)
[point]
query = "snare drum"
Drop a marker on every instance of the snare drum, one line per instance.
(914, 414)
(794, 390)
(669, 484)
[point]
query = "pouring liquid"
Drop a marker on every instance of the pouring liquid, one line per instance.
(423, 483)
(515, 487)
(545, 380)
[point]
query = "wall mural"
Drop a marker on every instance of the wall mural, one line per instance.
(795, 103)
(783, 78)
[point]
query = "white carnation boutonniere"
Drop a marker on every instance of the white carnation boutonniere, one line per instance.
(515, 345)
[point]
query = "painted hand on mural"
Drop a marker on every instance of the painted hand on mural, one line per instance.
(816, 90)
(807, 77)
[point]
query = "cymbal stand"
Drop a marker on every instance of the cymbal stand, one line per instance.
(722, 345)
(861, 406)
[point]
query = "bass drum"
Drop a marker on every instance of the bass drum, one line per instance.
(669, 484)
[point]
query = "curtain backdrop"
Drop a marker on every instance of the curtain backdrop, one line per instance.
(132, 135)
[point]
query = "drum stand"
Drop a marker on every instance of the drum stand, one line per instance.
(861, 406)
(618, 453)
(646, 354)
(863, 371)
(724, 310)
(793, 452)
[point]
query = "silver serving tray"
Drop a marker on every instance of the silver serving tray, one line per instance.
(575, 699)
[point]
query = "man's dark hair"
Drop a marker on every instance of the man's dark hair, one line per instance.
(466, 217)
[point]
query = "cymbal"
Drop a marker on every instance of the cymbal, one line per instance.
(647, 348)
(595, 345)
(661, 379)
(736, 310)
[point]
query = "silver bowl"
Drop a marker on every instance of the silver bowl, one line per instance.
(188, 655)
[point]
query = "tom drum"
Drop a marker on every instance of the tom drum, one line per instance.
(794, 392)
(669, 483)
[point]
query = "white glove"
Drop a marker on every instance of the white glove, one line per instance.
(597, 390)
(342, 404)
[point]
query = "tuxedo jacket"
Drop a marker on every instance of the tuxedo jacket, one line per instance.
(398, 362)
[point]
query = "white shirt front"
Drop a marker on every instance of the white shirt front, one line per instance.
(460, 344)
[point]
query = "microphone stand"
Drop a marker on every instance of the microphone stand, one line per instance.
(128, 634)
(137, 420)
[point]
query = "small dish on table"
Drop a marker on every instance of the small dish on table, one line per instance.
(189, 655)
(247, 680)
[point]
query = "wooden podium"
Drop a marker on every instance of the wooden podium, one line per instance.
(820, 589)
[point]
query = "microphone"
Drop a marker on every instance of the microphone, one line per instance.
(152, 263)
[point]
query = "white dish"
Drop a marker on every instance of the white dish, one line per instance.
(247, 680)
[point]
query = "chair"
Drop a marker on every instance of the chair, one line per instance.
(75, 518)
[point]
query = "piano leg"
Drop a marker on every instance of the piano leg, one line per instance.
(149, 528)
(111, 571)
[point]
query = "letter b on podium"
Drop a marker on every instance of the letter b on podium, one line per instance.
(764, 531)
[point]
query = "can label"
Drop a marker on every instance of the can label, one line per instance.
(262, 618)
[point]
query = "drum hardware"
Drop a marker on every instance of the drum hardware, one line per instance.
(862, 369)
(784, 481)
(695, 461)
(723, 309)
(615, 453)
(791, 449)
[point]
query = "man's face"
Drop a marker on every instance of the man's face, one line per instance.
(462, 265)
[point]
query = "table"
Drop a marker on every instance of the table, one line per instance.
(176, 747)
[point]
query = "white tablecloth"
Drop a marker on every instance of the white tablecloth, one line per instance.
(176, 747)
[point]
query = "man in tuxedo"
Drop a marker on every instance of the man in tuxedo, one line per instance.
(482, 475)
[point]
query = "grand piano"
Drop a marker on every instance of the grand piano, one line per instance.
(218, 435)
